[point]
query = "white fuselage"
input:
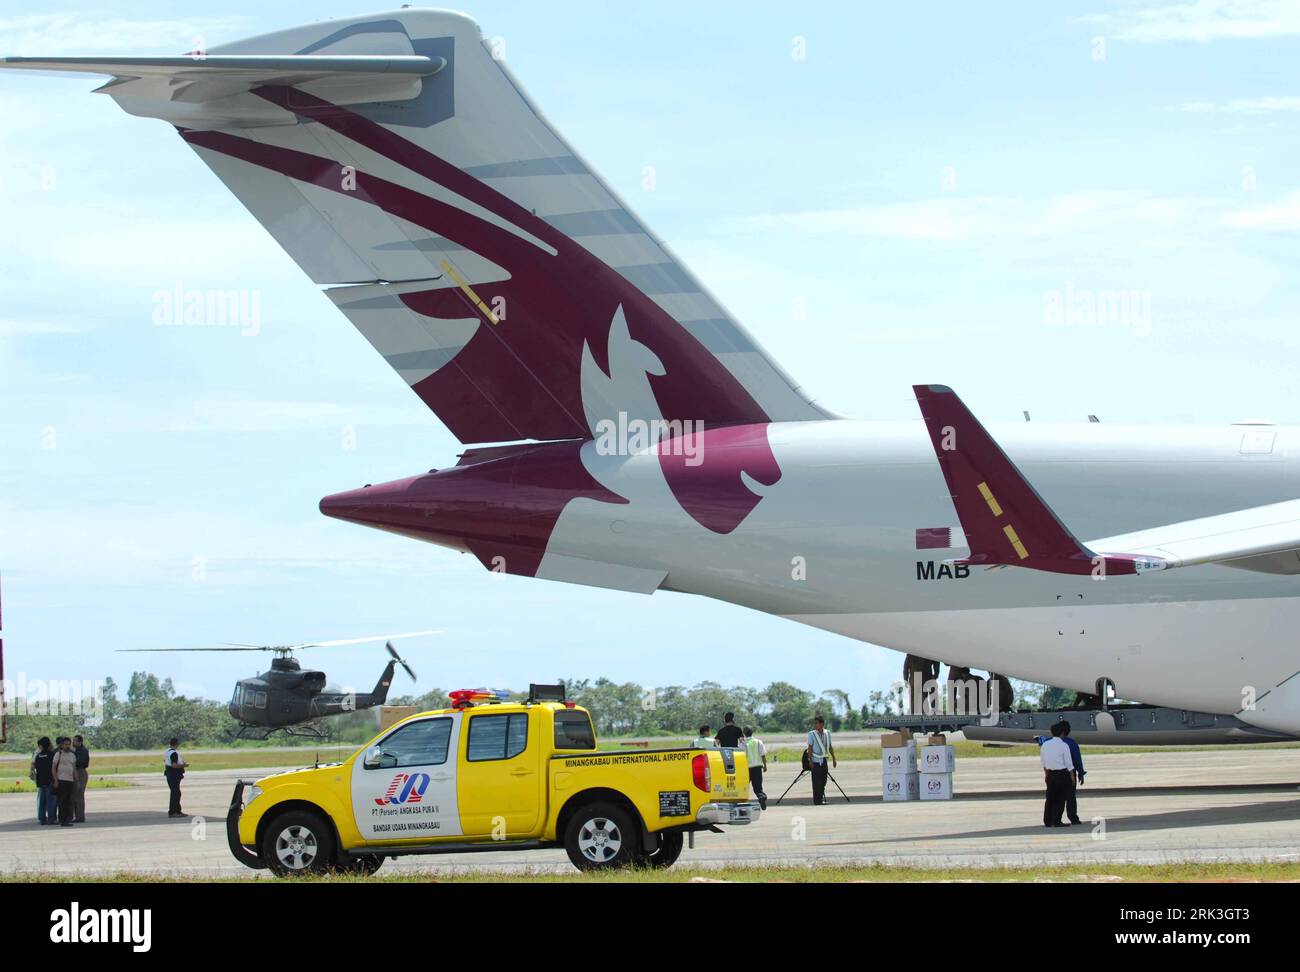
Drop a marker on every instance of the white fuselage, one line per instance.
(833, 544)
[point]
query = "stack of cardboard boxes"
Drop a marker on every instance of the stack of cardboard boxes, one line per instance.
(391, 715)
(938, 762)
(900, 782)
(903, 780)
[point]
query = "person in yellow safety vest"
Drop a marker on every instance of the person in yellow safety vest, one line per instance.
(756, 753)
(704, 740)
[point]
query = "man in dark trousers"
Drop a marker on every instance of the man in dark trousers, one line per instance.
(756, 754)
(821, 754)
(1058, 774)
(42, 774)
(64, 768)
(83, 779)
(174, 771)
(1076, 757)
(729, 736)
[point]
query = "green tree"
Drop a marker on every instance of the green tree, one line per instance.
(848, 720)
(790, 709)
(111, 705)
(615, 708)
(145, 687)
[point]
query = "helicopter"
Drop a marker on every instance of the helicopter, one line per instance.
(292, 700)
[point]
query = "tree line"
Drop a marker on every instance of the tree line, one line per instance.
(151, 712)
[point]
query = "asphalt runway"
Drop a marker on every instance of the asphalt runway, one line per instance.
(1231, 804)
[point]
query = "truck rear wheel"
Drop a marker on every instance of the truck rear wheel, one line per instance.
(298, 842)
(670, 847)
(601, 836)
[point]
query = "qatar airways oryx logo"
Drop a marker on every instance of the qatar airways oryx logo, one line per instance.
(405, 788)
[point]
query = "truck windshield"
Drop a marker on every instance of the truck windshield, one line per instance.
(573, 731)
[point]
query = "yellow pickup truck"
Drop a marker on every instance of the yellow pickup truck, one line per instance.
(485, 775)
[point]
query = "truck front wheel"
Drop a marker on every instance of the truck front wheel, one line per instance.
(298, 842)
(601, 836)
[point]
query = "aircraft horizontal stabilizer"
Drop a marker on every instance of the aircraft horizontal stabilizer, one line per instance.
(207, 91)
(275, 69)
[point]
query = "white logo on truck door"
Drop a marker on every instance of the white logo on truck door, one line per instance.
(411, 793)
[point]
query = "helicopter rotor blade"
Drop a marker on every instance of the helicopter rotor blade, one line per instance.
(362, 641)
(226, 648)
(239, 646)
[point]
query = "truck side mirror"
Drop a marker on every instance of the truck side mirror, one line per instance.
(374, 757)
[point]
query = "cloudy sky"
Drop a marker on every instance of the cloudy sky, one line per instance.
(928, 182)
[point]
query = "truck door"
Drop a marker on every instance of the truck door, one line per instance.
(404, 786)
(500, 774)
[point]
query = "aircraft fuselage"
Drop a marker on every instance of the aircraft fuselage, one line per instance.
(832, 542)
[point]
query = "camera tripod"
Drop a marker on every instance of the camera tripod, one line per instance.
(803, 771)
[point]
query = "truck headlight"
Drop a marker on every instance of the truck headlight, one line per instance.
(251, 793)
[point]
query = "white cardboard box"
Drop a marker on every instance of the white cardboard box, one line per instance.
(938, 759)
(900, 787)
(896, 760)
(936, 786)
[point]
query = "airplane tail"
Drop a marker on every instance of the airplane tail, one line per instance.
(397, 160)
(1005, 521)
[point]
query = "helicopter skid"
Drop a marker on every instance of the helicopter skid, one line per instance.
(261, 733)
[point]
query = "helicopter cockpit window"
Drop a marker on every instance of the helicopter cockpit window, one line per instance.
(422, 743)
(261, 700)
(239, 692)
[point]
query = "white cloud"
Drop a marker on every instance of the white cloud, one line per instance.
(1244, 106)
(166, 541)
(1201, 21)
(954, 219)
(12, 328)
(1281, 216)
(156, 251)
(34, 35)
(248, 415)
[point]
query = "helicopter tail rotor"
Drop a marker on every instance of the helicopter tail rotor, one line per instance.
(400, 660)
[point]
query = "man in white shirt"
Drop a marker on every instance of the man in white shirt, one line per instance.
(756, 754)
(1058, 774)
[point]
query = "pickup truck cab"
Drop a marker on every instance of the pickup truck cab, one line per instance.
(486, 775)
